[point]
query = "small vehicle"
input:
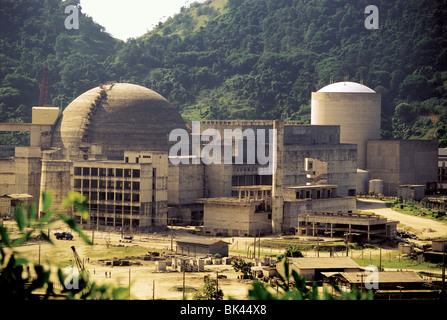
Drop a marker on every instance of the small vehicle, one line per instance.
(126, 239)
(63, 236)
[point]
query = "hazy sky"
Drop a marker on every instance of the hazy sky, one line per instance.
(125, 19)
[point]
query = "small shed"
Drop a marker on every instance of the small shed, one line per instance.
(386, 280)
(202, 247)
(9, 201)
(411, 192)
(314, 268)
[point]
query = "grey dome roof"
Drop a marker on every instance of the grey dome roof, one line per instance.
(116, 117)
(346, 86)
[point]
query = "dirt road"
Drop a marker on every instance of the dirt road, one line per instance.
(425, 229)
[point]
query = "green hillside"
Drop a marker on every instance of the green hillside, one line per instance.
(240, 59)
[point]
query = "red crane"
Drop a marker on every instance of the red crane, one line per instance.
(44, 88)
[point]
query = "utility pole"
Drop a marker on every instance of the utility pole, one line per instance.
(184, 267)
(443, 268)
(129, 283)
(380, 259)
(217, 282)
(171, 234)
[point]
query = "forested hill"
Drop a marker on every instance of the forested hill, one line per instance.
(240, 58)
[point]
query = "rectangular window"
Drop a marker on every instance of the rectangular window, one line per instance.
(94, 183)
(119, 172)
(135, 185)
(85, 183)
(85, 171)
(77, 171)
(95, 172)
(110, 172)
(102, 172)
(127, 173)
(136, 173)
(77, 183)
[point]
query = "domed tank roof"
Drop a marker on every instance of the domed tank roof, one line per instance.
(114, 118)
(346, 86)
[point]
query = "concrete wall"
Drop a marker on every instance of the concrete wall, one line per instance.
(398, 162)
(185, 183)
(341, 165)
(218, 180)
(235, 220)
(57, 177)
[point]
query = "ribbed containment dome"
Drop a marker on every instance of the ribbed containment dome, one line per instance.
(355, 108)
(110, 119)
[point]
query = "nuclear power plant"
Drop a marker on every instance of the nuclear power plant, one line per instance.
(113, 144)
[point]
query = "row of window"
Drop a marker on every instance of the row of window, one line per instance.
(103, 184)
(112, 196)
(107, 172)
(114, 209)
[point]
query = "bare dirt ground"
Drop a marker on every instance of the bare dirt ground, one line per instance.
(425, 229)
(147, 284)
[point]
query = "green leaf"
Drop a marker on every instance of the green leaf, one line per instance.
(33, 213)
(71, 223)
(5, 236)
(46, 217)
(22, 239)
(46, 238)
(20, 261)
(47, 200)
(20, 218)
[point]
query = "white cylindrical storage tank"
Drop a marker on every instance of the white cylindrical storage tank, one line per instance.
(376, 185)
(355, 108)
(362, 181)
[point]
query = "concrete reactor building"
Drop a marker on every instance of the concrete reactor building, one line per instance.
(355, 108)
(385, 163)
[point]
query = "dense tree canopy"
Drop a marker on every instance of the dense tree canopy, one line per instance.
(239, 58)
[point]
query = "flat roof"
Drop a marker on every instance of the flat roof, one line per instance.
(324, 263)
(203, 242)
(385, 276)
(16, 195)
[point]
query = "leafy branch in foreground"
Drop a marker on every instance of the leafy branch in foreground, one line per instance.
(20, 279)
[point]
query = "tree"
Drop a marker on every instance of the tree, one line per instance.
(242, 266)
(209, 291)
(292, 251)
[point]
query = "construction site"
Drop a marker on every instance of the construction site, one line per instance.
(162, 220)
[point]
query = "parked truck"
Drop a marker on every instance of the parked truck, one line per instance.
(63, 236)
